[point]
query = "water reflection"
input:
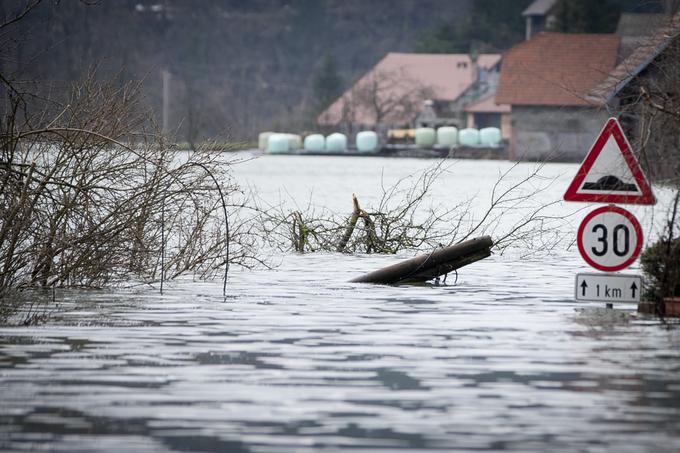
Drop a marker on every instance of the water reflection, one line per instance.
(299, 360)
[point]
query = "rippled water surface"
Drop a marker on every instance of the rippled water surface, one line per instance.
(499, 357)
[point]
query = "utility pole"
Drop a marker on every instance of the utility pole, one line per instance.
(165, 75)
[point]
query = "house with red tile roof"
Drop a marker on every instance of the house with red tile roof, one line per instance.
(643, 92)
(546, 80)
(393, 93)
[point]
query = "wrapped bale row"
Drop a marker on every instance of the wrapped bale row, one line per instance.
(278, 143)
(368, 141)
(427, 137)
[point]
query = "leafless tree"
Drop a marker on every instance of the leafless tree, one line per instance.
(91, 196)
(385, 97)
(656, 107)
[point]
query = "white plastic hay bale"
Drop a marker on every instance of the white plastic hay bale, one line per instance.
(278, 143)
(315, 143)
(447, 136)
(263, 140)
(295, 141)
(490, 136)
(426, 137)
(367, 141)
(336, 142)
(469, 137)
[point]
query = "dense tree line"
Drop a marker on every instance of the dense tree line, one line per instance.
(496, 25)
(237, 67)
(492, 25)
(584, 16)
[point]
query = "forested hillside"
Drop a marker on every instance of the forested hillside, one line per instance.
(237, 67)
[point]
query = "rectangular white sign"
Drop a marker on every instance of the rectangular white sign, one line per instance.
(608, 287)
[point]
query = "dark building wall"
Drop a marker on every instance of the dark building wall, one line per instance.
(554, 133)
(483, 120)
(654, 134)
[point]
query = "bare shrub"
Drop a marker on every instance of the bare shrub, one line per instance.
(405, 218)
(90, 198)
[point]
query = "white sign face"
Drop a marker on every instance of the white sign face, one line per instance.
(610, 172)
(608, 287)
(610, 166)
(609, 238)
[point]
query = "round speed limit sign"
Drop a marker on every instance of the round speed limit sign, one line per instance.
(609, 238)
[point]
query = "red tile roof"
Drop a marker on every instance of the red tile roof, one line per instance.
(556, 68)
(445, 75)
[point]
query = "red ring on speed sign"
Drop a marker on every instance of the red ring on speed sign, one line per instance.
(593, 256)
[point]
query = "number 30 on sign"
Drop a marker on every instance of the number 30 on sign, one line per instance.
(609, 238)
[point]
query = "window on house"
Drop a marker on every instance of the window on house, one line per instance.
(487, 120)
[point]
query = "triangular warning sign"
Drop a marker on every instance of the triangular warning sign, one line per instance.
(610, 173)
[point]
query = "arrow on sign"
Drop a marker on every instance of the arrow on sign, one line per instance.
(608, 287)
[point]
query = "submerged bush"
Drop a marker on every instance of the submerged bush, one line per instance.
(90, 196)
(407, 217)
(661, 265)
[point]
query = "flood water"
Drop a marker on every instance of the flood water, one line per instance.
(498, 358)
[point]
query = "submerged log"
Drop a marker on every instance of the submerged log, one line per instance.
(428, 266)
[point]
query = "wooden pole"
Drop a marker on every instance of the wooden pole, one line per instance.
(428, 266)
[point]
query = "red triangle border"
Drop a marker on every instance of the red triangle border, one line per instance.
(611, 127)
